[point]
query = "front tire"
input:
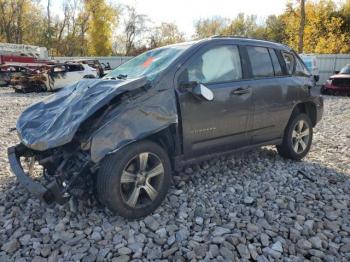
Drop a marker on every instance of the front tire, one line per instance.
(297, 137)
(134, 181)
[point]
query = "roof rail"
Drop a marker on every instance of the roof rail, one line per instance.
(245, 37)
(229, 36)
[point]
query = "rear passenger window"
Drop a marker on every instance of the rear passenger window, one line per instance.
(290, 62)
(261, 62)
(276, 64)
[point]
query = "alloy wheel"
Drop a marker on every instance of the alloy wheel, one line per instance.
(300, 136)
(141, 180)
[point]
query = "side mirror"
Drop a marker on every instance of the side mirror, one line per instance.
(203, 91)
(316, 78)
(336, 72)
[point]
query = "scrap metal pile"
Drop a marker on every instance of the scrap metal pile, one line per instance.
(24, 75)
(24, 80)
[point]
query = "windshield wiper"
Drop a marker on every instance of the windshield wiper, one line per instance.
(121, 76)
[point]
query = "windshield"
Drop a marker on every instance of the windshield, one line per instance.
(149, 64)
(345, 70)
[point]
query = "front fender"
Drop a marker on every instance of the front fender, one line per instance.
(134, 121)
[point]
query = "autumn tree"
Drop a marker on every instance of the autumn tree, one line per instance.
(18, 19)
(323, 31)
(102, 19)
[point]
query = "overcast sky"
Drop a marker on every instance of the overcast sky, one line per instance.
(185, 12)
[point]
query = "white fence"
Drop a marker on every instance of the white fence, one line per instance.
(327, 63)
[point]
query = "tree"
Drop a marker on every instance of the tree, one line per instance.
(16, 16)
(274, 29)
(245, 26)
(210, 26)
(102, 18)
(165, 34)
(241, 25)
(134, 26)
(301, 27)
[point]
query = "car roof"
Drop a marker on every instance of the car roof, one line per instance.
(242, 41)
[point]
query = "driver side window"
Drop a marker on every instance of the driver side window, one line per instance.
(217, 65)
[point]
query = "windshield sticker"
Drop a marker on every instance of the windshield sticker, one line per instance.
(148, 62)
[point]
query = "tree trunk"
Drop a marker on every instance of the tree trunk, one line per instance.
(49, 35)
(301, 27)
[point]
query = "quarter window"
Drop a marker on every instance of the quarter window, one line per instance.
(261, 62)
(290, 62)
(217, 65)
(300, 69)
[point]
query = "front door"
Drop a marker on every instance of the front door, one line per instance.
(220, 124)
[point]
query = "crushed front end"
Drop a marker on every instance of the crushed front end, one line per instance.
(70, 132)
(65, 171)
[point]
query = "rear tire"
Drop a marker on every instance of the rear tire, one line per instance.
(297, 137)
(134, 181)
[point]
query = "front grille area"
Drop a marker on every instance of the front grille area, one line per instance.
(342, 82)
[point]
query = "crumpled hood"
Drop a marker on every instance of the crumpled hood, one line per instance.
(54, 121)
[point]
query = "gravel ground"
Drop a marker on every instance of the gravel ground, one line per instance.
(252, 206)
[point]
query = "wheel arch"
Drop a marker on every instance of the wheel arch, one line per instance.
(308, 108)
(166, 138)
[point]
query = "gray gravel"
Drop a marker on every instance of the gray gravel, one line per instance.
(252, 206)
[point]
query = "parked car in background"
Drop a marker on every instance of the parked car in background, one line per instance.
(101, 68)
(123, 135)
(338, 83)
(62, 75)
(312, 64)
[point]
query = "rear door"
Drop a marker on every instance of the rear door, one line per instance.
(273, 94)
(220, 124)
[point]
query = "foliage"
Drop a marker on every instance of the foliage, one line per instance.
(101, 21)
(166, 34)
(89, 27)
(324, 31)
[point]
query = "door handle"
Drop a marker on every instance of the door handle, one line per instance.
(240, 91)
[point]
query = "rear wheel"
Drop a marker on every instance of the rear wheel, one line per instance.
(297, 137)
(134, 181)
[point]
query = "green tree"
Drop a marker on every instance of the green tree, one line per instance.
(210, 26)
(274, 29)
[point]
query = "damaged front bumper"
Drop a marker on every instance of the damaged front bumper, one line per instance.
(48, 194)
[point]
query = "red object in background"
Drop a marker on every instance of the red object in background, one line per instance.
(148, 62)
(16, 59)
(337, 84)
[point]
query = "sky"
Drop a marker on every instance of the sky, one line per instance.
(185, 12)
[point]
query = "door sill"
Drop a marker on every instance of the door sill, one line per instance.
(181, 162)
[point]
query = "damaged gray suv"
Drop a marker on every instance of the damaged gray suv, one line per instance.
(124, 135)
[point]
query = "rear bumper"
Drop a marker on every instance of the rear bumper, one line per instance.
(49, 194)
